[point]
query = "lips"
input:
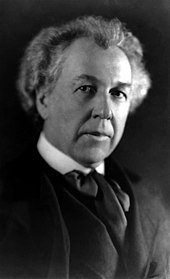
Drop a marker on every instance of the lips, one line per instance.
(98, 133)
(96, 136)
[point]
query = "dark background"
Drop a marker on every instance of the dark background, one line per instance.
(145, 146)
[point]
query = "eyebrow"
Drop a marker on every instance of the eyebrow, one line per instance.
(94, 79)
(124, 84)
(85, 77)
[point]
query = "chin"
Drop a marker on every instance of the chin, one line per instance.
(93, 158)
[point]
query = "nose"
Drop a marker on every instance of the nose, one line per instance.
(102, 108)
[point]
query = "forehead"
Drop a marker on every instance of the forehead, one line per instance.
(86, 57)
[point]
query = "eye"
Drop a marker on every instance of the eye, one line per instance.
(118, 94)
(87, 89)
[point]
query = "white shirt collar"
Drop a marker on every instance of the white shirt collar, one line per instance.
(60, 161)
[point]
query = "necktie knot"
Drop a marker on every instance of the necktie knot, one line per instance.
(83, 183)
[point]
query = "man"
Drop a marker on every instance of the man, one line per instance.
(67, 210)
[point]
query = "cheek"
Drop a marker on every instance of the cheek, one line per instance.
(66, 118)
(59, 109)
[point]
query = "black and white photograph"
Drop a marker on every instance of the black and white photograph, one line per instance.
(84, 139)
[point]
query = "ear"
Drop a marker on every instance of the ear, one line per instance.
(42, 104)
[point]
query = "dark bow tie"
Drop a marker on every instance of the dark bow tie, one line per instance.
(110, 201)
(83, 183)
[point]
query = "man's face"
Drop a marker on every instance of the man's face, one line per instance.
(85, 115)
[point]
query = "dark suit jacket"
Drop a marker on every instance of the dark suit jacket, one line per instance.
(46, 231)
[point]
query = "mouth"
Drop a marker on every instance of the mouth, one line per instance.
(99, 136)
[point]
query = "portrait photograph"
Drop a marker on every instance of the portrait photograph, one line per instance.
(84, 139)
